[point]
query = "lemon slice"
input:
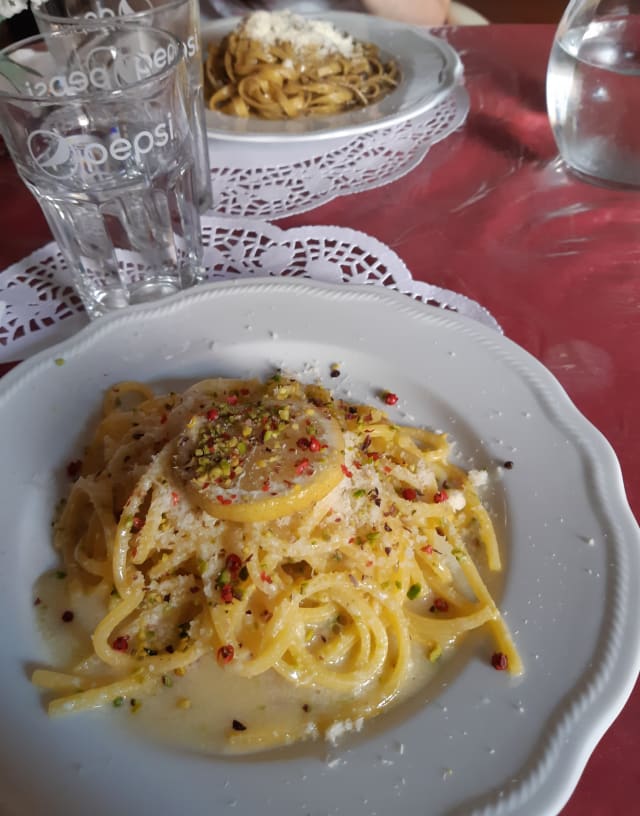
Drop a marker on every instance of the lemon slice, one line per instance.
(251, 456)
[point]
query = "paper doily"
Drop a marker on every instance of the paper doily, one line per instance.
(278, 180)
(41, 307)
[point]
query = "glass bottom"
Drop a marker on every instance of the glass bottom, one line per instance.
(117, 298)
(599, 181)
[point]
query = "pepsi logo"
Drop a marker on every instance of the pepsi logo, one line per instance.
(52, 153)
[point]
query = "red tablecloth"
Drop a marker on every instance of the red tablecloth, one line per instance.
(491, 213)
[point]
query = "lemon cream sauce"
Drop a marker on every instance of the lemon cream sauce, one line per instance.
(200, 709)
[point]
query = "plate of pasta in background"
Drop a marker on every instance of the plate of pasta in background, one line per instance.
(280, 76)
(273, 569)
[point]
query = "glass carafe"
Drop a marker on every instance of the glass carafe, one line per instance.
(593, 90)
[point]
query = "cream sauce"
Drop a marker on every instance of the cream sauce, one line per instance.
(197, 711)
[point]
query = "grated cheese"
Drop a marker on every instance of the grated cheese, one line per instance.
(478, 478)
(341, 727)
(457, 500)
(269, 28)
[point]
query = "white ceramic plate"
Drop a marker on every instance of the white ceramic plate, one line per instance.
(430, 69)
(476, 742)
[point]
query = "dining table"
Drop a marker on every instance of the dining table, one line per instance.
(492, 213)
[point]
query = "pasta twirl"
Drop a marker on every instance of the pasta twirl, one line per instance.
(292, 67)
(277, 530)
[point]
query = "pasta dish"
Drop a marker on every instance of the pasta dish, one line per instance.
(273, 530)
(278, 65)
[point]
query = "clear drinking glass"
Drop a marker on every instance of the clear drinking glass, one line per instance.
(593, 89)
(182, 19)
(97, 125)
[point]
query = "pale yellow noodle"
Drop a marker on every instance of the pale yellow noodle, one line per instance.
(343, 595)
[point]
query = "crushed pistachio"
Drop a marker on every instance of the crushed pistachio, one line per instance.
(413, 591)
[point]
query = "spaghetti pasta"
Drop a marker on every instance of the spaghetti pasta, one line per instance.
(278, 530)
(281, 66)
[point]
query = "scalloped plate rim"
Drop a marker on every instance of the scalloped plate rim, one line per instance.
(582, 723)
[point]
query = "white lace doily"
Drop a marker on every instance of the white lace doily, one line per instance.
(39, 307)
(274, 180)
